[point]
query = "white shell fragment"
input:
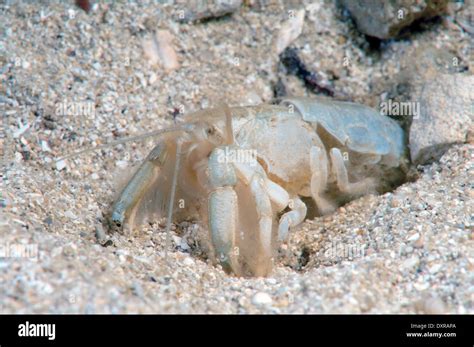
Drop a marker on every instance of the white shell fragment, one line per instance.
(262, 299)
(21, 129)
(159, 50)
(60, 165)
(289, 31)
(45, 146)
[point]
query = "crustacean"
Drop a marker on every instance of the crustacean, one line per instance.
(247, 170)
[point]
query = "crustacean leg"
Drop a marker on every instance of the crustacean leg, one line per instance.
(342, 178)
(261, 185)
(291, 218)
(224, 222)
(125, 207)
(319, 178)
(223, 210)
(278, 196)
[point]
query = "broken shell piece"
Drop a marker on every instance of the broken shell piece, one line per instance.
(21, 129)
(159, 50)
(60, 165)
(45, 146)
(289, 31)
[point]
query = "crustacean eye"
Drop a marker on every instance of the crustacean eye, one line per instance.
(210, 131)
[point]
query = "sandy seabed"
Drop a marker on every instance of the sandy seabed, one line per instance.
(72, 80)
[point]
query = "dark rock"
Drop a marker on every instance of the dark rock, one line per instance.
(385, 18)
(446, 116)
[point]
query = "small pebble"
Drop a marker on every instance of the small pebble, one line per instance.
(262, 299)
(45, 146)
(410, 263)
(69, 250)
(60, 165)
(421, 286)
(413, 237)
(48, 220)
(121, 164)
(289, 31)
(433, 269)
(188, 261)
(271, 281)
(69, 214)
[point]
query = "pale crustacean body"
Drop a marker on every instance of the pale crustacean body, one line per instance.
(246, 172)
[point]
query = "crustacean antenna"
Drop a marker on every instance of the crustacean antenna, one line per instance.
(172, 194)
(228, 124)
(180, 128)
